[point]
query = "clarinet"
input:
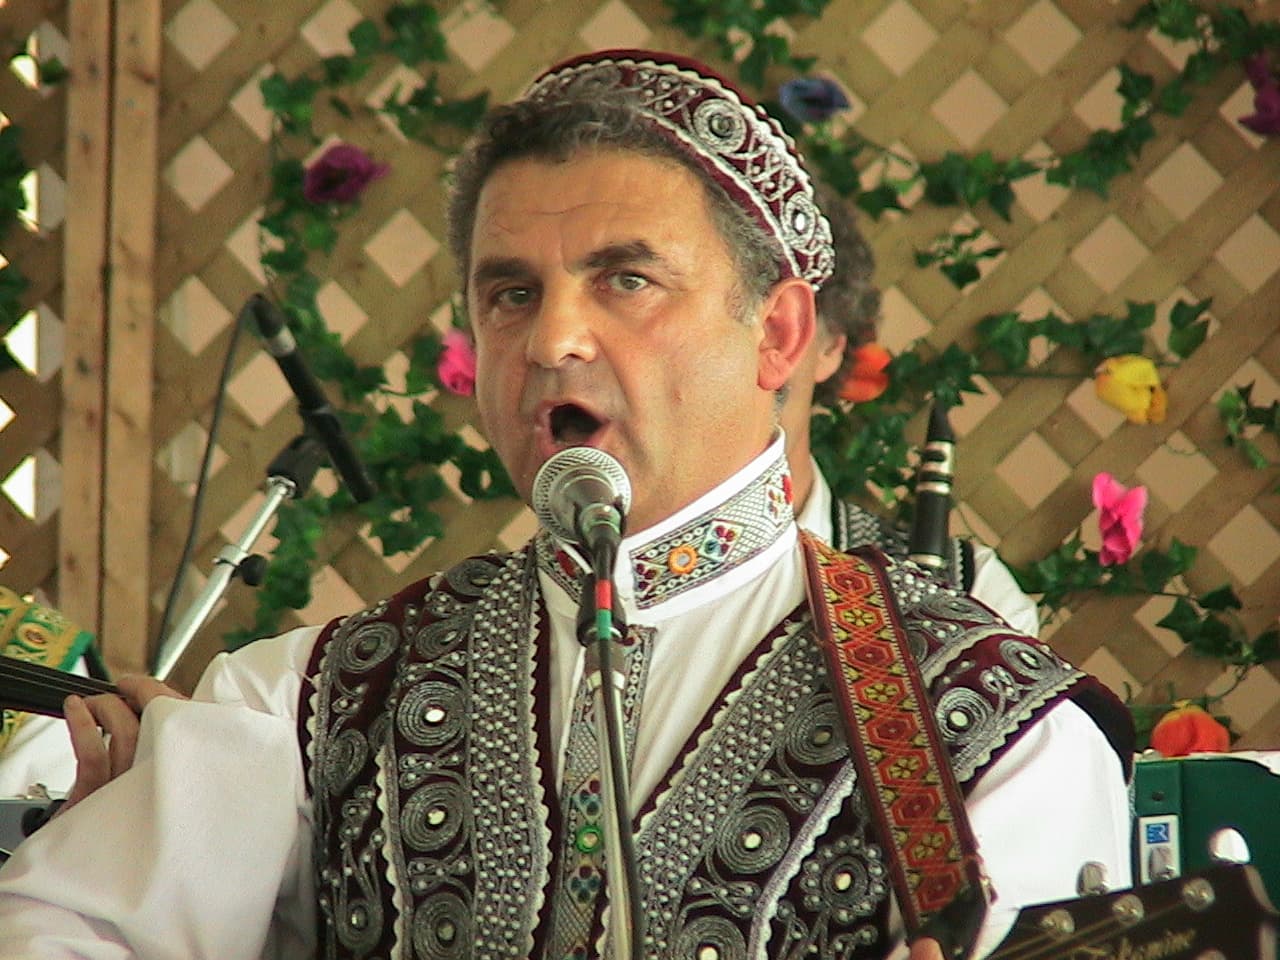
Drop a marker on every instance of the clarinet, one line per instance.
(927, 545)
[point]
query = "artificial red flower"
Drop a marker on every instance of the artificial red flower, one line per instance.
(867, 380)
(456, 367)
(340, 174)
(1120, 512)
(1189, 728)
(1131, 384)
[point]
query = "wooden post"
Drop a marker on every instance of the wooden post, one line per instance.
(85, 270)
(131, 321)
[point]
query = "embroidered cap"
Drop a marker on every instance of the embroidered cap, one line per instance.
(733, 139)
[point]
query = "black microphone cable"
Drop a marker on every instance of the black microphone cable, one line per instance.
(202, 481)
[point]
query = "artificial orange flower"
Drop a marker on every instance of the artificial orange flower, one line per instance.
(867, 380)
(1189, 728)
(1131, 384)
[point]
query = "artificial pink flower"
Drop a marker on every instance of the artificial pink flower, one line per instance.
(457, 364)
(1120, 518)
(340, 174)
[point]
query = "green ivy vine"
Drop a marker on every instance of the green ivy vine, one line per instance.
(403, 454)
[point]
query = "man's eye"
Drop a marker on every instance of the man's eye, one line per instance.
(628, 282)
(513, 297)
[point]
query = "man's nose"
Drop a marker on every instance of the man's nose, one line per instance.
(563, 330)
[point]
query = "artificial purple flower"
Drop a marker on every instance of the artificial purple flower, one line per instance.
(1265, 119)
(1258, 69)
(340, 174)
(812, 99)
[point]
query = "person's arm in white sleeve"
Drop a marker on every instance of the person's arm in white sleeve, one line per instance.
(1055, 801)
(202, 849)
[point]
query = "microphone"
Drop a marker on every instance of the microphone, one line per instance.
(312, 403)
(582, 495)
(928, 543)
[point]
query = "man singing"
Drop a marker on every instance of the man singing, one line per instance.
(639, 247)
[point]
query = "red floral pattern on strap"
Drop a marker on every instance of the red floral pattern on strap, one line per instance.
(899, 756)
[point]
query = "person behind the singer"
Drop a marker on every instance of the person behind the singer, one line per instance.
(639, 250)
(848, 305)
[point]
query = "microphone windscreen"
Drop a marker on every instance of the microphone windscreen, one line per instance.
(572, 478)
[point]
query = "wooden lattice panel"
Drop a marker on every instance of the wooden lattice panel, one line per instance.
(30, 396)
(1199, 217)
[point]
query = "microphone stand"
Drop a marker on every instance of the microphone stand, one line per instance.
(598, 631)
(289, 475)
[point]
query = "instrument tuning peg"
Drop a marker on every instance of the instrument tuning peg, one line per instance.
(1092, 879)
(1228, 845)
(1161, 865)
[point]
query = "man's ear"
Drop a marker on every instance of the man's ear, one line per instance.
(788, 322)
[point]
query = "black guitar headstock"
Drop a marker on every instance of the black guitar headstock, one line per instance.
(1221, 913)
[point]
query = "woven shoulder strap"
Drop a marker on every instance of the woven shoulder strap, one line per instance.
(901, 762)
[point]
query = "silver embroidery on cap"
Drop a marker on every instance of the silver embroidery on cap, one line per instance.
(738, 144)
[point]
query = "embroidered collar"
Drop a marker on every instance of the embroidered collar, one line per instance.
(717, 542)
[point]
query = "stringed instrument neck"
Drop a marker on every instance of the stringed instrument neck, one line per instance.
(34, 688)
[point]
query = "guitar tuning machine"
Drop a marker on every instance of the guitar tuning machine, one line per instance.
(1058, 924)
(1129, 910)
(1198, 894)
(1092, 879)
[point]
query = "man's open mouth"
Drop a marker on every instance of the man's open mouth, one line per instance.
(572, 425)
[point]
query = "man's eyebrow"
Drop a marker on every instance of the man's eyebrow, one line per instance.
(637, 252)
(500, 268)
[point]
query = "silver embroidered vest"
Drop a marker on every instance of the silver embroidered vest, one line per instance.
(436, 816)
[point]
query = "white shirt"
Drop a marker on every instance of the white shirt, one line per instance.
(203, 848)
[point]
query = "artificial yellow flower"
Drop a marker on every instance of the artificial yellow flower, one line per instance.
(1131, 384)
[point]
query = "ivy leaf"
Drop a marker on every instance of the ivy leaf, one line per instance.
(878, 199)
(483, 475)
(1182, 619)
(424, 354)
(1174, 98)
(1183, 556)
(1001, 199)
(319, 234)
(366, 38)
(754, 64)
(1223, 598)
(1008, 336)
(961, 272)
(1156, 570)
(12, 286)
(342, 69)
(415, 34)
(1187, 341)
(1108, 336)
(1266, 646)
(289, 100)
(1134, 88)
